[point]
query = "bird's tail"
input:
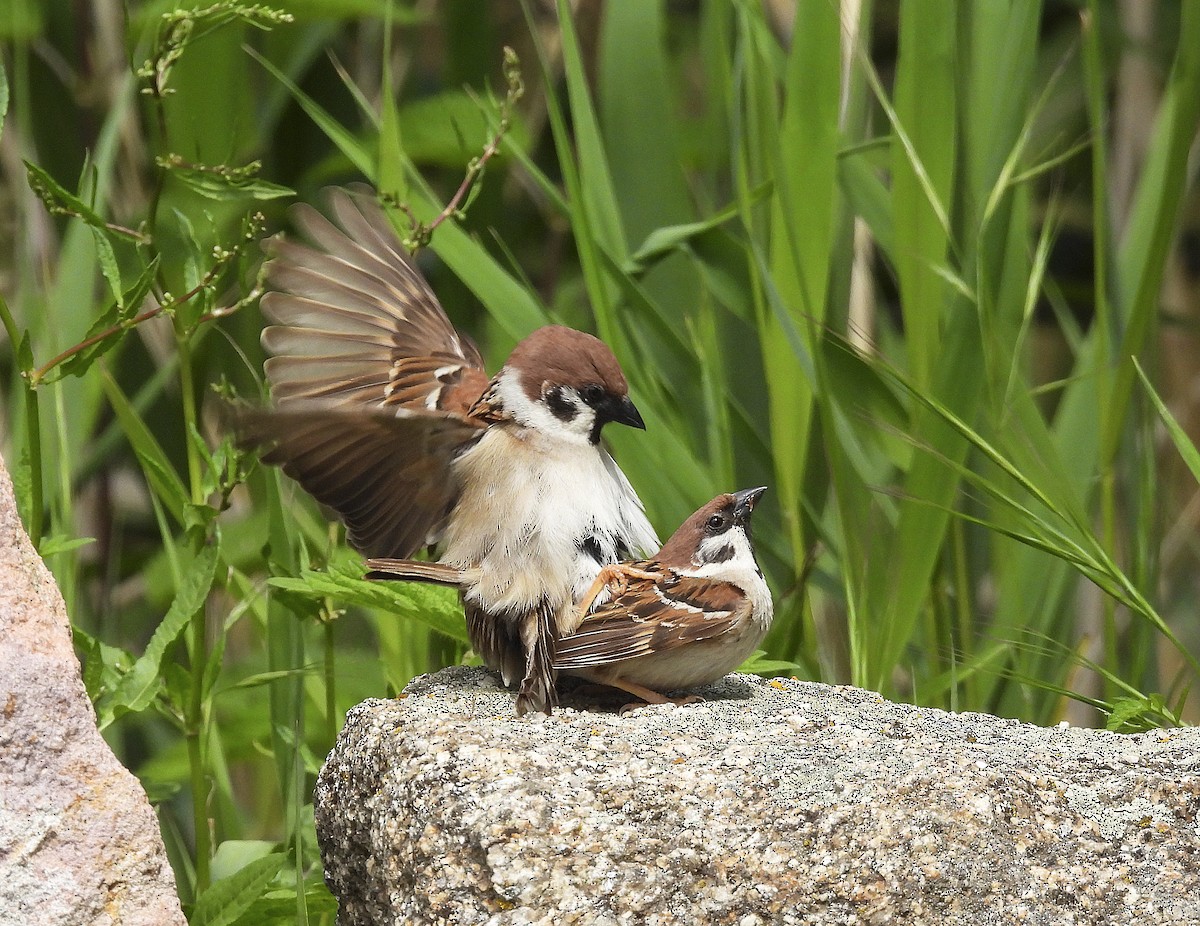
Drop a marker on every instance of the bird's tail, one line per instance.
(540, 637)
(411, 570)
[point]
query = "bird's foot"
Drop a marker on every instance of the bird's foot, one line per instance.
(679, 702)
(615, 578)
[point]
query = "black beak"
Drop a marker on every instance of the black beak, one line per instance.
(623, 411)
(744, 502)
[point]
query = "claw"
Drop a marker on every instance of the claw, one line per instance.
(616, 578)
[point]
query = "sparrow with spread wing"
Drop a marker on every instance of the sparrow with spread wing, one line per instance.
(383, 412)
(684, 618)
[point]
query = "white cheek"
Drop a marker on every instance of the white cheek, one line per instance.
(741, 569)
(716, 548)
(538, 416)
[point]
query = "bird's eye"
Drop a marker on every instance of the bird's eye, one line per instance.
(715, 524)
(592, 393)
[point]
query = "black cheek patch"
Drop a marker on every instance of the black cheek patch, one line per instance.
(560, 406)
(722, 555)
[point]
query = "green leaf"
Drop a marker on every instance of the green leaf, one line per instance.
(389, 152)
(212, 666)
(61, 543)
(22, 482)
(923, 172)
(449, 128)
(138, 688)
(1153, 216)
(641, 127)
(10, 324)
(263, 678)
(278, 905)
(107, 259)
(232, 855)
(859, 181)
(229, 898)
(54, 194)
(25, 353)
(221, 188)
(664, 240)
(803, 159)
(1139, 713)
(594, 213)
(432, 605)
(759, 664)
(3, 98)
(103, 666)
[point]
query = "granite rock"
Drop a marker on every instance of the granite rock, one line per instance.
(771, 802)
(79, 842)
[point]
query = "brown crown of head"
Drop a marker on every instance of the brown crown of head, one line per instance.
(565, 357)
(735, 508)
(682, 544)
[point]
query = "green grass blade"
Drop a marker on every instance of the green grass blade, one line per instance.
(923, 172)
(160, 474)
(1179, 437)
(353, 150)
(1154, 215)
(802, 231)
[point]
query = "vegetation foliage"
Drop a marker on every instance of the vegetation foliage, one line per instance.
(820, 239)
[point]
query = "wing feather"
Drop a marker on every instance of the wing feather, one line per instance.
(653, 617)
(387, 472)
(355, 324)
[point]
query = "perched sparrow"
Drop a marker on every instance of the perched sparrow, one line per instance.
(686, 617)
(384, 413)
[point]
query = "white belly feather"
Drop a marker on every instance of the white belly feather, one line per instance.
(527, 505)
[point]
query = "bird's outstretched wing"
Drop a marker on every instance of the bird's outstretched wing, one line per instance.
(653, 617)
(385, 471)
(355, 324)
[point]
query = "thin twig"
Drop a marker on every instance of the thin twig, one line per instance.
(40, 373)
(420, 232)
(223, 258)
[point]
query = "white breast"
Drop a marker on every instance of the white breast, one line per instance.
(527, 504)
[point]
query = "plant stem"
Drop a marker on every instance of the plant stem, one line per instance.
(33, 436)
(199, 783)
(37, 503)
(187, 386)
(196, 715)
(41, 372)
(330, 682)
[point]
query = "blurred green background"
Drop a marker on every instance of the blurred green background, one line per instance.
(931, 271)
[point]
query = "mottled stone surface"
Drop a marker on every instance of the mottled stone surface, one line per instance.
(772, 802)
(79, 843)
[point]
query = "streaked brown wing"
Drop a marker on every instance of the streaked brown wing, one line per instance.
(354, 322)
(653, 617)
(385, 472)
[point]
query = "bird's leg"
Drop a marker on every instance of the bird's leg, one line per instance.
(648, 695)
(615, 577)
